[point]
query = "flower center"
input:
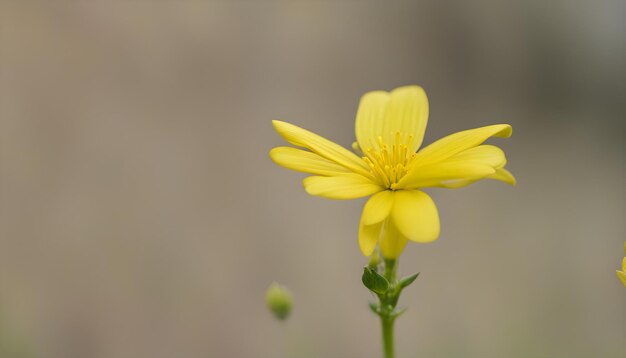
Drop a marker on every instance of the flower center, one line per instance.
(390, 163)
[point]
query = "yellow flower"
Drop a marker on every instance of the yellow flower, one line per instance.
(622, 274)
(390, 128)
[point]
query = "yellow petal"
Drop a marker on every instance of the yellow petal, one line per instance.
(436, 174)
(307, 162)
(415, 215)
(462, 169)
(503, 175)
(484, 154)
(392, 242)
(377, 208)
(321, 146)
(458, 142)
(384, 115)
(370, 118)
(622, 277)
(624, 264)
(455, 184)
(408, 114)
(344, 186)
(368, 237)
(375, 211)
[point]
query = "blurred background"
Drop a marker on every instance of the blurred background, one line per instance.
(140, 215)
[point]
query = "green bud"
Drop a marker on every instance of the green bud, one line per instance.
(374, 281)
(279, 300)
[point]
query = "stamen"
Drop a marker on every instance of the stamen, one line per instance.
(391, 161)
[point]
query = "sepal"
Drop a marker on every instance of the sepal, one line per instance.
(375, 307)
(374, 281)
(399, 311)
(406, 281)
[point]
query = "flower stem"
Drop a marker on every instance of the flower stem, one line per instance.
(387, 326)
(391, 267)
(388, 303)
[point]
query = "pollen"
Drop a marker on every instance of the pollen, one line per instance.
(389, 163)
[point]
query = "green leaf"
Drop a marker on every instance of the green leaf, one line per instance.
(408, 280)
(374, 281)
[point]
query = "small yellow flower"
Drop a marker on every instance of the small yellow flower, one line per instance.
(390, 128)
(622, 274)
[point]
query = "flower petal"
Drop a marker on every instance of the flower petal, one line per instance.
(368, 237)
(484, 154)
(415, 215)
(436, 174)
(622, 277)
(392, 241)
(384, 115)
(344, 186)
(456, 184)
(462, 169)
(501, 174)
(321, 146)
(455, 143)
(407, 113)
(370, 118)
(307, 162)
(377, 208)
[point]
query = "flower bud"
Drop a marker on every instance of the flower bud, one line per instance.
(279, 300)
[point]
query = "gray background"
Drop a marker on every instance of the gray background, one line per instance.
(141, 216)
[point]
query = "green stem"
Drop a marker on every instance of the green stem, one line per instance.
(388, 303)
(391, 267)
(387, 326)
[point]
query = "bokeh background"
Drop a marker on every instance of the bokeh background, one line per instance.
(141, 216)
